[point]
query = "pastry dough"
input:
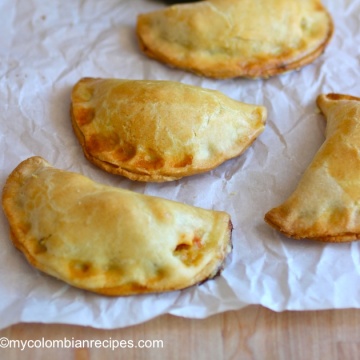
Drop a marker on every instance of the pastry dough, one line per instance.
(326, 203)
(237, 38)
(108, 240)
(160, 130)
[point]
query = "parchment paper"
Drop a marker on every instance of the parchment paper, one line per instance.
(46, 46)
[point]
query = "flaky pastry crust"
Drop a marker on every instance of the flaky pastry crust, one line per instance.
(237, 38)
(160, 130)
(107, 240)
(325, 205)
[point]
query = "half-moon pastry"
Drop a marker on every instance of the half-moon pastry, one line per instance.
(160, 130)
(236, 38)
(107, 240)
(326, 203)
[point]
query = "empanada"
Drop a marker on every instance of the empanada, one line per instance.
(160, 130)
(326, 203)
(107, 240)
(236, 38)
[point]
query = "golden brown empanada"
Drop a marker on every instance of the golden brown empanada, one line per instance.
(160, 130)
(237, 38)
(326, 203)
(108, 240)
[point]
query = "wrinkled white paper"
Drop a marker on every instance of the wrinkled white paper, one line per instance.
(46, 47)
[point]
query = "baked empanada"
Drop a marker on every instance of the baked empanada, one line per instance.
(236, 38)
(326, 203)
(107, 240)
(160, 130)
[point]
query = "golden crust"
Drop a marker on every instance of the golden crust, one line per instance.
(237, 38)
(107, 240)
(325, 205)
(160, 130)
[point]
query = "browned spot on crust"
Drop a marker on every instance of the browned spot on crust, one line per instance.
(185, 161)
(80, 269)
(125, 152)
(342, 97)
(150, 161)
(84, 116)
(182, 247)
(98, 143)
(40, 246)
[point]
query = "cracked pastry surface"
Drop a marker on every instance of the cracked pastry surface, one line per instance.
(236, 38)
(325, 205)
(156, 131)
(107, 240)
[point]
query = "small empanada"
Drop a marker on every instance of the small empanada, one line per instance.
(107, 240)
(160, 130)
(237, 38)
(326, 203)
